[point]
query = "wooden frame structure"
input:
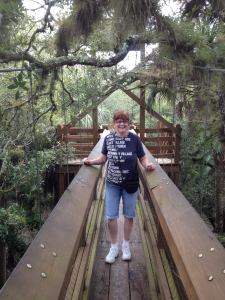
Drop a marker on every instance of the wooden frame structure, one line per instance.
(164, 143)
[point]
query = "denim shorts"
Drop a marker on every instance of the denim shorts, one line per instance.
(112, 201)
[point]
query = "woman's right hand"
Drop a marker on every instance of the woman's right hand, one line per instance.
(86, 161)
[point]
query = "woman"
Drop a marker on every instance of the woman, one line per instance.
(121, 149)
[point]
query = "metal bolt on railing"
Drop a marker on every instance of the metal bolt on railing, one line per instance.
(210, 278)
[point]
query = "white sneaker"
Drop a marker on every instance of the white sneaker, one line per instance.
(113, 253)
(126, 252)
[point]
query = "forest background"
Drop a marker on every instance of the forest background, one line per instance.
(59, 59)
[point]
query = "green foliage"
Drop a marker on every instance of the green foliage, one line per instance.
(23, 178)
(16, 155)
(12, 219)
(221, 238)
(12, 223)
(196, 181)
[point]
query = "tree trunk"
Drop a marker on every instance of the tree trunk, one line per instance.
(219, 184)
(2, 263)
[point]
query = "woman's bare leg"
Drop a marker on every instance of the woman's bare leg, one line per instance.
(113, 230)
(128, 227)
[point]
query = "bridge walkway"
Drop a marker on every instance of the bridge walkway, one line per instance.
(124, 279)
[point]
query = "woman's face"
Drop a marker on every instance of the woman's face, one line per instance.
(121, 127)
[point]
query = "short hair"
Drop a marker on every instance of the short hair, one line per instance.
(121, 114)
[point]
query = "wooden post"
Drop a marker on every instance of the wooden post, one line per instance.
(176, 178)
(61, 184)
(59, 136)
(95, 126)
(177, 145)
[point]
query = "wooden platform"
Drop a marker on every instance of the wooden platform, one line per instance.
(121, 280)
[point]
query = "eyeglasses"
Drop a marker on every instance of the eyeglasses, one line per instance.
(121, 121)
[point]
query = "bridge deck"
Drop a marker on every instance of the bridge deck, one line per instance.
(123, 279)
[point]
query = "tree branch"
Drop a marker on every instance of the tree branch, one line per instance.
(57, 62)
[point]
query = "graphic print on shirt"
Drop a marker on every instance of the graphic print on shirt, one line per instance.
(126, 151)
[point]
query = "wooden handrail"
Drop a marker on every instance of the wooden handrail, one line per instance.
(44, 270)
(192, 251)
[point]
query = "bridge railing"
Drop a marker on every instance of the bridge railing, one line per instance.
(163, 142)
(186, 259)
(55, 263)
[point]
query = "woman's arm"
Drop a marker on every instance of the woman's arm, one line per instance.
(146, 164)
(98, 161)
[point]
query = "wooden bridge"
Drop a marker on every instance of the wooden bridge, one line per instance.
(174, 253)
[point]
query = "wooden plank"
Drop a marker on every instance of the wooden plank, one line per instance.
(163, 155)
(82, 154)
(61, 233)
(90, 278)
(159, 148)
(80, 281)
(78, 130)
(82, 147)
(99, 287)
(78, 138)
(100, 284)
(150, 267)
(154, 130)
(139, 285)
(86, 130)
(119, 280)
(161, 277)
(158, 139)
(69, 128)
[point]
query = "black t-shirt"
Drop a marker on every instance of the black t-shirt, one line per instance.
(126, 150)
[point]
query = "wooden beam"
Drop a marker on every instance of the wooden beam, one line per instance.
(159, 139)
(152, 112)
(177, 144)
(95, 125)
(79, 138)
